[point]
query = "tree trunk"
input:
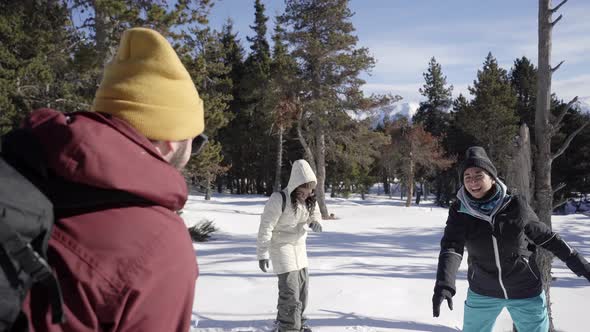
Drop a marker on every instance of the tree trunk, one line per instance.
(208, 189)
(309, 156)
(386, 185)
(279, 161)
(219, 182)
(543, 196)
(320, 158)
(519, 167)
(103, 28)
(410, 181)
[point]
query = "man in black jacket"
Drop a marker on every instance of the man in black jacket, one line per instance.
(499, 231)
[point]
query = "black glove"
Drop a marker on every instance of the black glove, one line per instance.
(263, 264)
(440, 294)
(315, 226)
(578, 264)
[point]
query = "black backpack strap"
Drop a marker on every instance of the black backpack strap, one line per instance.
(284, 196)
(33, 264)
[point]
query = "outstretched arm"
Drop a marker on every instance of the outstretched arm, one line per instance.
(544, 237)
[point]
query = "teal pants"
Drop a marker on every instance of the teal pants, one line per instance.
(529, 315)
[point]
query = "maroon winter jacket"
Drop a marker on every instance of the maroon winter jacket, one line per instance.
(121, 267)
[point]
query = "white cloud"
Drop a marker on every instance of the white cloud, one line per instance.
(410, 58)
(460, 46)
(410, 91)
(571, 87)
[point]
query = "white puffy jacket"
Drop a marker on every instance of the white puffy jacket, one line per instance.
(282, 235)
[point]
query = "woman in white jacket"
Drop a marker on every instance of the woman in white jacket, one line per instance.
(281, 238)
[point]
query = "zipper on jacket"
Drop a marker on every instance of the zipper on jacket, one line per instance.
(526, 261)
(496, 251)
(473, 274)
(497, 256)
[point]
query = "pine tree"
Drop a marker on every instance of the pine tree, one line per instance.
(281, 97)
(256, 119)
(231, 136)
(203, 55)
(454, 142)
(97, 37)
(523, 78)
(491, 118)
(321, 36)
(433, 113)
(34, 62)
(353, 150)
(571, 172)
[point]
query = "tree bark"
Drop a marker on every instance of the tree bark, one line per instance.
(208, 189)
(543, 196)
(320, 157)
(103, 28)
(519, 168)
(279, 161)
(410, 181)
(308, 153)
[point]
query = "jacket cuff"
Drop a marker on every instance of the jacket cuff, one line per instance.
(263, 255)
(444, 291)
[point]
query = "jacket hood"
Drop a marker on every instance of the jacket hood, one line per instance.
(462, 196)
(100, 151)
(301, 173)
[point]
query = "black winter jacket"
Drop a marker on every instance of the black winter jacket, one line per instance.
(499, 249)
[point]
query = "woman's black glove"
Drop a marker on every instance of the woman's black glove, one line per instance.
(441, 294)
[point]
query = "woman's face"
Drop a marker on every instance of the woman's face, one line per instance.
(302, 193)
(477, 182)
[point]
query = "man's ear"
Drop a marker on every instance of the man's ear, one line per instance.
(166, 148)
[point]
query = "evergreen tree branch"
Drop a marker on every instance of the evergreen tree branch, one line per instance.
(556, 8)
(568, 140)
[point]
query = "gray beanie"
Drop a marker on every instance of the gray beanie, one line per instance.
(476, 156)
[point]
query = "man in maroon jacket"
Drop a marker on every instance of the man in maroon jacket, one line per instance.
(121, 253)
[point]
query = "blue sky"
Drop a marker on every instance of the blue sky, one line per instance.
(402, 35)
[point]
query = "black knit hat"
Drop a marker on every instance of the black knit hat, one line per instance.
(476, 156)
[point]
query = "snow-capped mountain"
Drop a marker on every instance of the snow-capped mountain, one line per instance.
(389, 113)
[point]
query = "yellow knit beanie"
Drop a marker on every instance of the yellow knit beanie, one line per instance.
(147, 86)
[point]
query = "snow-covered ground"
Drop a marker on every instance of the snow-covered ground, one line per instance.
(372, 269)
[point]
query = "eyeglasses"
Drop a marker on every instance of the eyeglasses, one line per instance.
(198, 144)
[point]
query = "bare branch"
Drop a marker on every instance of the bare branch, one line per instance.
(559, 187)
(560, 203)
(563, 113)
(568, 140)
(556, 8)
(557, 67)
(556, 20)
